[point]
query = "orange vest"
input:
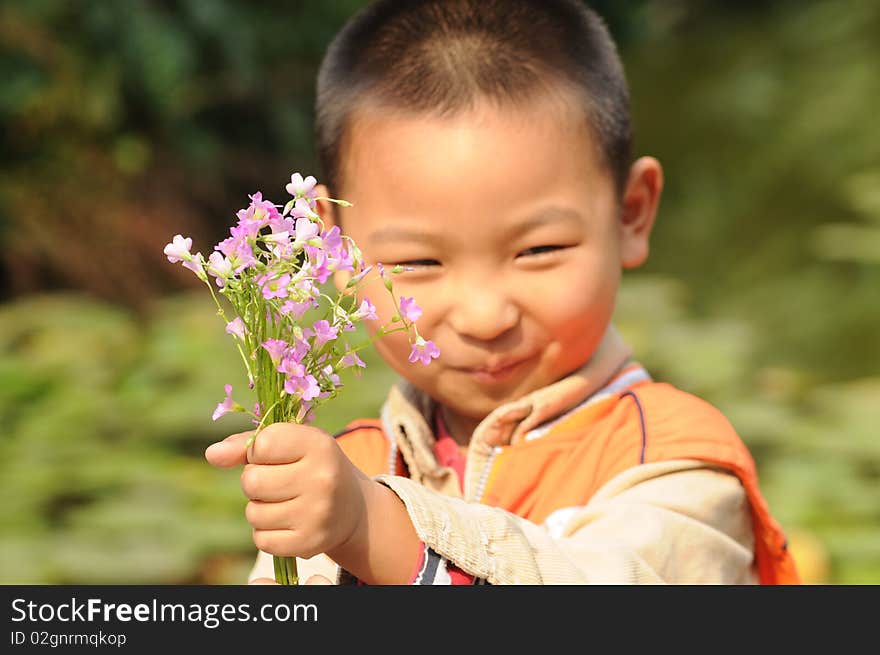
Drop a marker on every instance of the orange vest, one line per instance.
(647, 422)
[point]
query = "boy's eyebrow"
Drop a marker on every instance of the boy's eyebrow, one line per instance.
(539, 218)
(543, 217)
(392, 233)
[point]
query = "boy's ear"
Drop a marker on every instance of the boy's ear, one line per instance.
(328, 211)
(639, 209)
(325, 207)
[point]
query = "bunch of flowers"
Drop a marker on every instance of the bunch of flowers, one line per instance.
(271, 270)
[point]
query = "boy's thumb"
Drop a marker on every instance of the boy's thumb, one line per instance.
(229, 452)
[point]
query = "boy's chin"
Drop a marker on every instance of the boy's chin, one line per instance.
(477, 402)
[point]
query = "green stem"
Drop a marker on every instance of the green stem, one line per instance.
(285, 567)
(278, 575)
(260, 426)
(285, 570)
(381, 333)
(224, 317)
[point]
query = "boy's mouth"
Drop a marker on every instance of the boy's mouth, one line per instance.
(496, 372)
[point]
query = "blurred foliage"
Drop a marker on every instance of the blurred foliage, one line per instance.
(125, 123)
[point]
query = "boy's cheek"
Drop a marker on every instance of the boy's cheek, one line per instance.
(386, 309)
(394, 350)
(340, 280)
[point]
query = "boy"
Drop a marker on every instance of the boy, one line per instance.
(485, 145)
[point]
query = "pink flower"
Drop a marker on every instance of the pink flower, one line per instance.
(311, 390)
(338, 256)
(300, 187)
(305, 387)
(305, 413)
(275, 348)
(220, 267)
(351, 359)
(295, 309)
(228, 405)
(178, 249)
(301, 209)
(197, 265)
(259, 214)
(236, 328)
(424, 351)
(332, 239)
(275, 287)
(360, 276)
(385, 278)
(282, 224)
(320, 265)
(324, 332)
(291, 366)
(300, 347)
(271, 267)
(239, 251)
(366, 311)
(305, 230)
(328, 371)
(242, 233)
(409, 309)
(278, 238)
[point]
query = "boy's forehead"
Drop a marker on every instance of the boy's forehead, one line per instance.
(483, 177)
(499, 145)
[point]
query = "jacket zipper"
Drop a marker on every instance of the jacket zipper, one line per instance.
(484, 476)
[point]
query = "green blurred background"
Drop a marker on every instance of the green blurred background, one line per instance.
(124, 123)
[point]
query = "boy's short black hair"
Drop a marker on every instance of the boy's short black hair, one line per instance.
(439, 56)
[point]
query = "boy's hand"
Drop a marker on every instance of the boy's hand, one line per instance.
(306, 497)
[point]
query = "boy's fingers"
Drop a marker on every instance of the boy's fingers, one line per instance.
(273, 515)
(282, 443)
(229, 452)
(262, 581)
(279, 443)
(318, 579)
(283, 543)
(271, 484)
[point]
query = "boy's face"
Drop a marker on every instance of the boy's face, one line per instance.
(512, 226)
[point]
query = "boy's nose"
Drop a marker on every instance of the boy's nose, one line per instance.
(482, 312)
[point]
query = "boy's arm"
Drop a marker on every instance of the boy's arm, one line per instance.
(677, 522)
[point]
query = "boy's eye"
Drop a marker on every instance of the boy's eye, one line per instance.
(419, 263)
(540, 250)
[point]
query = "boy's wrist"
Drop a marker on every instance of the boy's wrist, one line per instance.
(384, 547)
